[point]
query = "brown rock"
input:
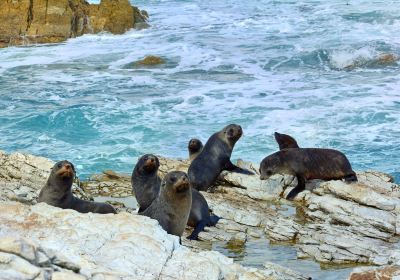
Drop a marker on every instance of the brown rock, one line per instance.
(50, 21)
(151, 60)
(381, 273)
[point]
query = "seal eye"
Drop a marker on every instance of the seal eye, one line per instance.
(172, 179)
(59, 165)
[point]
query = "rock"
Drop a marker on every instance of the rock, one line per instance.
(380, 273)
(150, 60)
(51, 21)
(125, 246)
(331, 222)
(14, 267)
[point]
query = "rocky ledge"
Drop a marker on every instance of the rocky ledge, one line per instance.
(50, 21)
(331, 223)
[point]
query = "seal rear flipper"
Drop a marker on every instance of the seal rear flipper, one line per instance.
(229, 166)
(301, 185)
(213, 220)
(199, 228)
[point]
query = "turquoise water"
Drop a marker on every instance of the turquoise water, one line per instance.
(307, 68)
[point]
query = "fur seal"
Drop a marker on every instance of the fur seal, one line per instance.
(215, 157)
(200, 215)
(308, 164)
(171, 207)
(285, 141)
(195, 147)
(57, 191)
(145, 181)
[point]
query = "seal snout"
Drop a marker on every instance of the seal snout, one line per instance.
(180, 181)
(148, 163)
(65, 169)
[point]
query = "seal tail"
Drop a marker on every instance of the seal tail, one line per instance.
(213, 220)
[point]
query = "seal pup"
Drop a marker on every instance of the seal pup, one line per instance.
(195, 147)
(215, 157)
(285, 141)
(200, 215)
(171, 207)
(307, 164)
(145, 181)
(57, 191)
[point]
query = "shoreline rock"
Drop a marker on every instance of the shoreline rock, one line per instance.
(26, 22)
(331, 222)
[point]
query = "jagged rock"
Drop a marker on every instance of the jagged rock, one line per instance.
(125, 246)
(51, 21)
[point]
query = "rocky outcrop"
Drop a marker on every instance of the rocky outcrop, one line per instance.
(51, 21)
(331, 222)
(45, 242)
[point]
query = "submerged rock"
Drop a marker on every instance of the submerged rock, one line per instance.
(50, 21)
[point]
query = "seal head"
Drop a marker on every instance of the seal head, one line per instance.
(195, 146)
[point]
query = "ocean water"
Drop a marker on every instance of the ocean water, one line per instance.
(311, 69)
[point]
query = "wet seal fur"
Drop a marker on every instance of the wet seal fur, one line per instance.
(145, 181)
(307, 164)
(215, 157)
(57, 191)
(285, 141)
(172, 206)
(195, 147)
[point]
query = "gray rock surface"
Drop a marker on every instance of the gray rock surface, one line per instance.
(331, 222)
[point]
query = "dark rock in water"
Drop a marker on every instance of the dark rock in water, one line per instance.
(141, 17)
(150, 60)
(41, 21)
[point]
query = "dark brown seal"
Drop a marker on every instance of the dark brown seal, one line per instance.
(145, 180)
(195, 147)
(285, 141)
(200, 215)
(172, 206)
(215, 157)
(307, 164)
(57, 192)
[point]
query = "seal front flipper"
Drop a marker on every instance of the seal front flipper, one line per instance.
(229, 166)
(199, 228)
(213, 220)
(301, 186)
